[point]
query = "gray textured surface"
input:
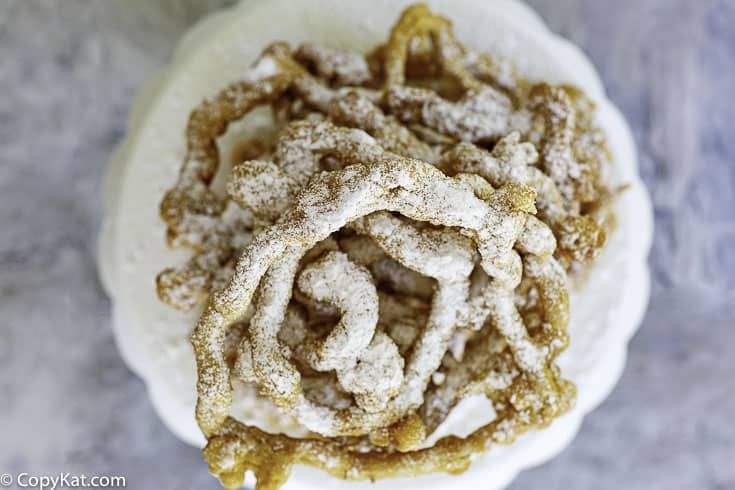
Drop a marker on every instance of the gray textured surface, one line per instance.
(68, 70)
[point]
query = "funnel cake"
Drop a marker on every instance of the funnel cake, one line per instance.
(383, 246)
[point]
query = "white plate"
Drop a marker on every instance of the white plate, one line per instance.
(153, 338)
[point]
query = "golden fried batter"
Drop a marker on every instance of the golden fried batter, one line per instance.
(391, 261)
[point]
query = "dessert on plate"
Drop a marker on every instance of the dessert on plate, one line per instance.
(345, 247)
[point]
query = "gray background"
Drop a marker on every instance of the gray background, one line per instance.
(68, 70)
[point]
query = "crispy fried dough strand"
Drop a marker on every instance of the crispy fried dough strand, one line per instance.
(381, 259)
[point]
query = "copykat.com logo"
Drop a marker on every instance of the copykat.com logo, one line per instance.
(61, 480)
